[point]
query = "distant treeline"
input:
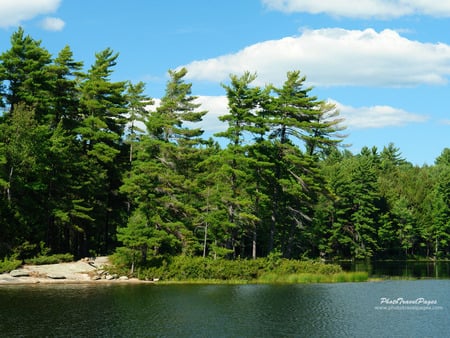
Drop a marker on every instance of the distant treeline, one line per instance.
(80, 174)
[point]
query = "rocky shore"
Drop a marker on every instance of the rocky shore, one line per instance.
(82, 271)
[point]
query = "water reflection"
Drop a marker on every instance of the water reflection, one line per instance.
(414, 269)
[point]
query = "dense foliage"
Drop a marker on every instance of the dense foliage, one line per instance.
(86, 168)
(270, 269)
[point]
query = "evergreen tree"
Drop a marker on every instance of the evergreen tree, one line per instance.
(103, 107)
(244, 105)
(137, 103)
(160, 185)
(25, 69)
(296, 117)
(64, 89)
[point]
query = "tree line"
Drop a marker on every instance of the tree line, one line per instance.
(86, 168)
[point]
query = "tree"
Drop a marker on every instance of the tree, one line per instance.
(354, 216)
(25, 68)
(161, 185)
(103, 107)
(66, 73)
(244, 106)
(296, 121)
(168, 122)
(24, 148)
(137, 103)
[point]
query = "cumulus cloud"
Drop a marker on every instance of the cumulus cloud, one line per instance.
(384, 9)
(354, 117)
(52, 24)
(17, 11)
(333, 57)
(216, 106)
(376, 116)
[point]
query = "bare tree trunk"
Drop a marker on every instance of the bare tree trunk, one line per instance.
(254, 245)
(8, 189)
(204, 240)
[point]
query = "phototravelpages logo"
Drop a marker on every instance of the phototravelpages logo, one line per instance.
(408, 304)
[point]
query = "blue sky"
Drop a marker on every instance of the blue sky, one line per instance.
(385, 64)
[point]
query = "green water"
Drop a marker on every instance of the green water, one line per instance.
(315, 310)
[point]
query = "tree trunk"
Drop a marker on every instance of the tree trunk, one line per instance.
(8, 189)
(254, 245)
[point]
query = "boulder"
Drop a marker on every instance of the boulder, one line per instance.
(123, 278)
(19, 273)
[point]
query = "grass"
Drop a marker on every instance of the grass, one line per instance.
(206, 281)
(272, 278)
(307, 278)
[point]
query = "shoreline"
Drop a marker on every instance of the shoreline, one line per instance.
(20, 281)
(84, 271)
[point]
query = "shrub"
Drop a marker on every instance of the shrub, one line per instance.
(271, 269)
(9, 264)
(52, 259)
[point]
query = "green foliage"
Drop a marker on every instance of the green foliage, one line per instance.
(9, 264)
(50, 259)
(183, 268)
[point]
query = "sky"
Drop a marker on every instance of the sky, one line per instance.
(384, 63)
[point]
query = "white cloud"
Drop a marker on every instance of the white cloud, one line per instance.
(376, 116)
(335, 56)
(13, 12)
(52, 24)
(354, 117)
(216, 106)
(384, 9)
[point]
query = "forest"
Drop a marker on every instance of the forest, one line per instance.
(87, 168)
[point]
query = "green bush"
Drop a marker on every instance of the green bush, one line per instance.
(290, 266)
(273, 268)
(9, 264)
(52, 259)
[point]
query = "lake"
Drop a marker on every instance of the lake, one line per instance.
(419, 308)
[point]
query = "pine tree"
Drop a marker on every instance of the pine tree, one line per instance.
(25, 67)
(103, 108)
(137, 103)
(300, 124)
(244, 103)
(161, 183)
(64, 89)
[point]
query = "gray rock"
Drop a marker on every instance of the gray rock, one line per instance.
(56, 276)
(97, 277)
(19, 273)
(109, 277)
(123, 278)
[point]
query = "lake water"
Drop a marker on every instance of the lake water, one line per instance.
(422, 309)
